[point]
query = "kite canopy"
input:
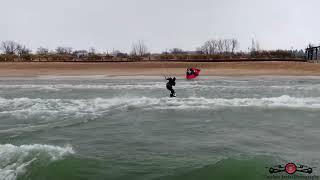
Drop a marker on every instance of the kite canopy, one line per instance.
(192, 73)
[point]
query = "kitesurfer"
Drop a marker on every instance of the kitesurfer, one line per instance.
(171, 82)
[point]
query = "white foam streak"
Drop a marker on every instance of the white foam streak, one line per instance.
(78, 107)
(15, 159)
(157, 85)
(56, 87)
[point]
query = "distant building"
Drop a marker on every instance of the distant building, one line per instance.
(193, 52)
(81, 53)
(313, 53)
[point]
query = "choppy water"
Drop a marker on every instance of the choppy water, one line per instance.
(102, 128)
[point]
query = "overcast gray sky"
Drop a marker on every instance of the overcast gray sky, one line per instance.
(161, 24)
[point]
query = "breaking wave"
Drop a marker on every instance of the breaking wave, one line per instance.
(25, 106)
(15, 160)
(82, 86)
(57, 87)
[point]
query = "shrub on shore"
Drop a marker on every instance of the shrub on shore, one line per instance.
(52, 57)
(212, 50)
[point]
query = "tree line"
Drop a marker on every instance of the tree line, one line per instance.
(219, 46)
(210, 50)
(13, 51)
(226, 49)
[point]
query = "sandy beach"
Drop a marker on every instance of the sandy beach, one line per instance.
(158, 68)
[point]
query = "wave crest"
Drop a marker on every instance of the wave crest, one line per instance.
(14, 160)
(27, 106)
(156, 85)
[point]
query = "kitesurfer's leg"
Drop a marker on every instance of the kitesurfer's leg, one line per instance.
(169, 87)
(173, 93)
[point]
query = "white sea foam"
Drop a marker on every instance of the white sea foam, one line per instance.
(158, 85)
(27, 106)
(86, 86)
(14, 160)
(271, 102)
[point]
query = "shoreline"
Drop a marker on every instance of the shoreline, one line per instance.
(272, 68)
(97, 77)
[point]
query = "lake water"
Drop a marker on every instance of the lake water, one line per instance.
(98, 127)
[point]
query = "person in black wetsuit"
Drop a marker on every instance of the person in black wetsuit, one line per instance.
(171, 82)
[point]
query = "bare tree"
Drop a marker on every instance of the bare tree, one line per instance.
(255, 46)
(213, 46)
(42, 51)
(234, 45)
(220, 45)
(205, 48)
(22, 50)
(210, 47)
(227, 45)
(60, 50)
(92, 50)
(139, 49)
(9, 47)
(64, 50)
(176, 51)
